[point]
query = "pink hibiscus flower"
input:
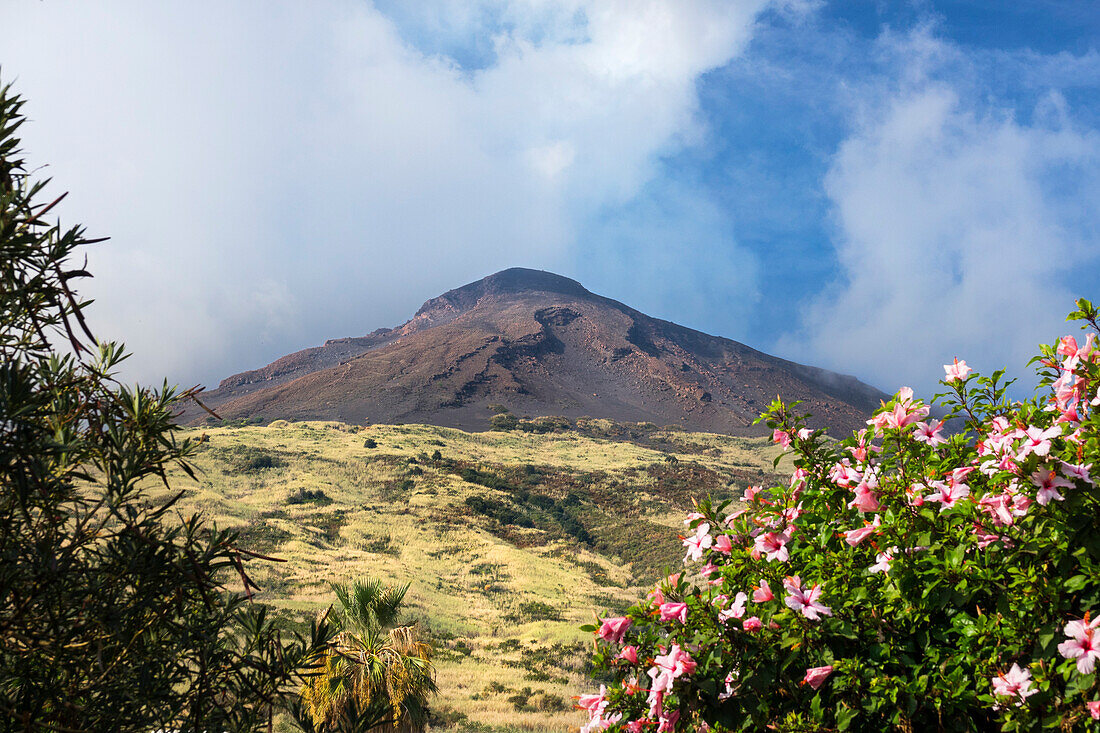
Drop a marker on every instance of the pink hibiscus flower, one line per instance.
(667, 721)
(763, 592)
(698, 542)
(854, 536)
(1048, 483)
(999, 508)
(737, 610)
(1015, 682)
(882, 561)
(1081, 645)
(773, 546)
(595, 705)
(930, 432)
(805, 601)
(677, 611)
(816, 676)
(844, 474)
(1067, 346)
(729, 680)
(901, 416)
(865, 500)
(711, 573)
(676, 661)
(613, 629)
(958, 370)
(1037, 441)
(1079, 471)
(947, 494)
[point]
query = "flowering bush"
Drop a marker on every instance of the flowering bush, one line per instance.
(906, 578)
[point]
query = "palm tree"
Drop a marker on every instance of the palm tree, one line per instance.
(376, 675)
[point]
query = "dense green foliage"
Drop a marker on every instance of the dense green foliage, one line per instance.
(902, 579)
(114, 613)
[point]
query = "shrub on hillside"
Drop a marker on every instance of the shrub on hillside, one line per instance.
(503, 421)
(552, 424)
(309, 496)
(246, 459)
(902, 579)
(534, 611)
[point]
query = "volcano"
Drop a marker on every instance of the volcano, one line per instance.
(539, 344)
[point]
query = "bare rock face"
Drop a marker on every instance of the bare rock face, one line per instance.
(540, 344)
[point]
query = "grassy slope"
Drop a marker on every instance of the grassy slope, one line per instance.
(510, 540)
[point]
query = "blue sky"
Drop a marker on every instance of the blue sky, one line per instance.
(873, 187)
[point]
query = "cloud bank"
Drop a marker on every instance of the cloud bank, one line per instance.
(959, 227)
(275, 173)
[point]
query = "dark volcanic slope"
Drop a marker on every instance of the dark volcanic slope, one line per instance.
(541, 345)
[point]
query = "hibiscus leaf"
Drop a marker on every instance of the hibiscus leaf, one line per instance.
(844, 717)
(1077, 582)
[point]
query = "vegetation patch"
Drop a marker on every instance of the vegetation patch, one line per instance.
(534, 611)
(529, 701)
(262, 536)
(238, 422)
(246, 459)
(652, 550)
(681, 481)
(381, 545)
(640, 432)
(490, 569)
(309, 496)
(397, 489)
(328, 525)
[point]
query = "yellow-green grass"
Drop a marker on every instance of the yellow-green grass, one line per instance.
(502, 601)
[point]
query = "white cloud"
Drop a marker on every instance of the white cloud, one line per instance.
(273, 174)
(959, 232)
(673, 254)
(552, 160)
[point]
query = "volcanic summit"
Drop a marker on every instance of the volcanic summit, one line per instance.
(539, 344)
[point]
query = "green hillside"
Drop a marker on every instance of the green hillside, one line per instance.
(509, 539)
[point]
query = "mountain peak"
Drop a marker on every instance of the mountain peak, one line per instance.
(513, 281)
(540, 344)
(522, 279)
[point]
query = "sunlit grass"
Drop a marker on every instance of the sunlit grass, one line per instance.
(313, 495)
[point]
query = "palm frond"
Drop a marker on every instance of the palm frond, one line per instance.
(372, 665)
